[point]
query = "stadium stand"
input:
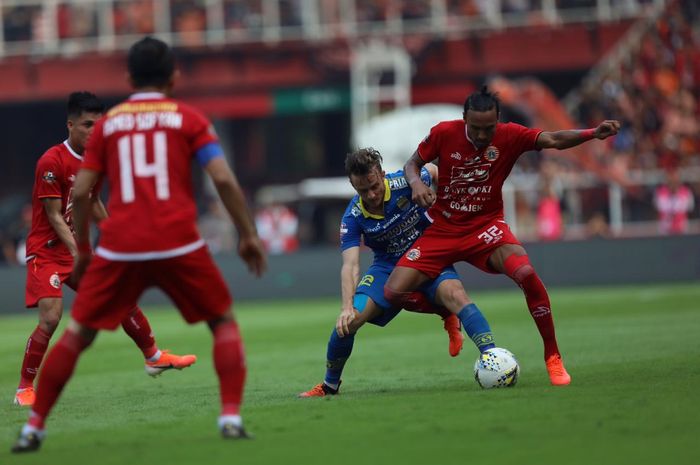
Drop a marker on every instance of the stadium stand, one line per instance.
(254, 63)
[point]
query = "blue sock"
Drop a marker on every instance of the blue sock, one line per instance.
(339, 350)
(477, 327)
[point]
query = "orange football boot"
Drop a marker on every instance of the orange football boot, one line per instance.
(168, 361)
(557, 373)
(25, 397)
(320, 390)
(454, 330)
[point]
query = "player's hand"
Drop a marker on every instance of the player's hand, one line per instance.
(252, 251)
(422, 195)
(607, 128)
(342, 326)
(80, 264)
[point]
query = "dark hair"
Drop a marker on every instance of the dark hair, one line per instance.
(83, 102)
(483, 100)
(360, 162)
(151, 62)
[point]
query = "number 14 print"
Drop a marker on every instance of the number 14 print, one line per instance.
(133, 164)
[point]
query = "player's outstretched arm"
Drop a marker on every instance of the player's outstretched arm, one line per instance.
(53, 208)
(570, 138)
(349, 277)
(82, 206)
(421, 194)
(250, 247)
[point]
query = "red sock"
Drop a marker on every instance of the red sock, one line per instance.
(37, 344)
(229, 362)
(137, 327)
(57, 370)
(521, 271)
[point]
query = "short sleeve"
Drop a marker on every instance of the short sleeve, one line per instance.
(429, 147)
(201, 131)
(350, 230)
(49, 177)
(94, 150)
(523, 139)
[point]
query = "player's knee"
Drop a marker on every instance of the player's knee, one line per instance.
(220, 320)
(48, 321)
(518, 268)
(453, 295)
(395, 298)
(86, 335)
(49, 325)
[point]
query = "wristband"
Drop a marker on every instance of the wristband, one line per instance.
(84, 247)
(587, 134)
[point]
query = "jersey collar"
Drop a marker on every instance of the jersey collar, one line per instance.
(147, 96)
(466, 133)
(72, 152)
(387, 196)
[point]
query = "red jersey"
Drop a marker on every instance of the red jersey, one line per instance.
(54, 176)
(470, 180)
(144, 147)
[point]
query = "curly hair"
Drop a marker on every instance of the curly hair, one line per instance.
(362, 161)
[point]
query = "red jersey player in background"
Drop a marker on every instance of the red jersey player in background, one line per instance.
(51, 248)
(144, 147)
(476, 155)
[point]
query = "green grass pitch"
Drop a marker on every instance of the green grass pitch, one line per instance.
(633, 353)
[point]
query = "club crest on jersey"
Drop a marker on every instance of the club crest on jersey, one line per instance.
(55, 281)
(413, 254)
(456, 156)
(403, 203)
(491, 153)
(49, 177)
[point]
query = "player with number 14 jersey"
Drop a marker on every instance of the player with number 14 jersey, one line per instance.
(145, 146)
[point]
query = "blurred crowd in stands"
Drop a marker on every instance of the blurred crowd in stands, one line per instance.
(654, 91)
(31, 21)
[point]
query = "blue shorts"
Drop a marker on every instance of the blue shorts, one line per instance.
(372, 286)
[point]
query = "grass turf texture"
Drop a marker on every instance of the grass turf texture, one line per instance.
(633, 353)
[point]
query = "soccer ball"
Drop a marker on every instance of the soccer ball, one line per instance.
(496, 368)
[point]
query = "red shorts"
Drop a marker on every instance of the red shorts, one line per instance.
(110, 289)
(44, 280)
(437, 248)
